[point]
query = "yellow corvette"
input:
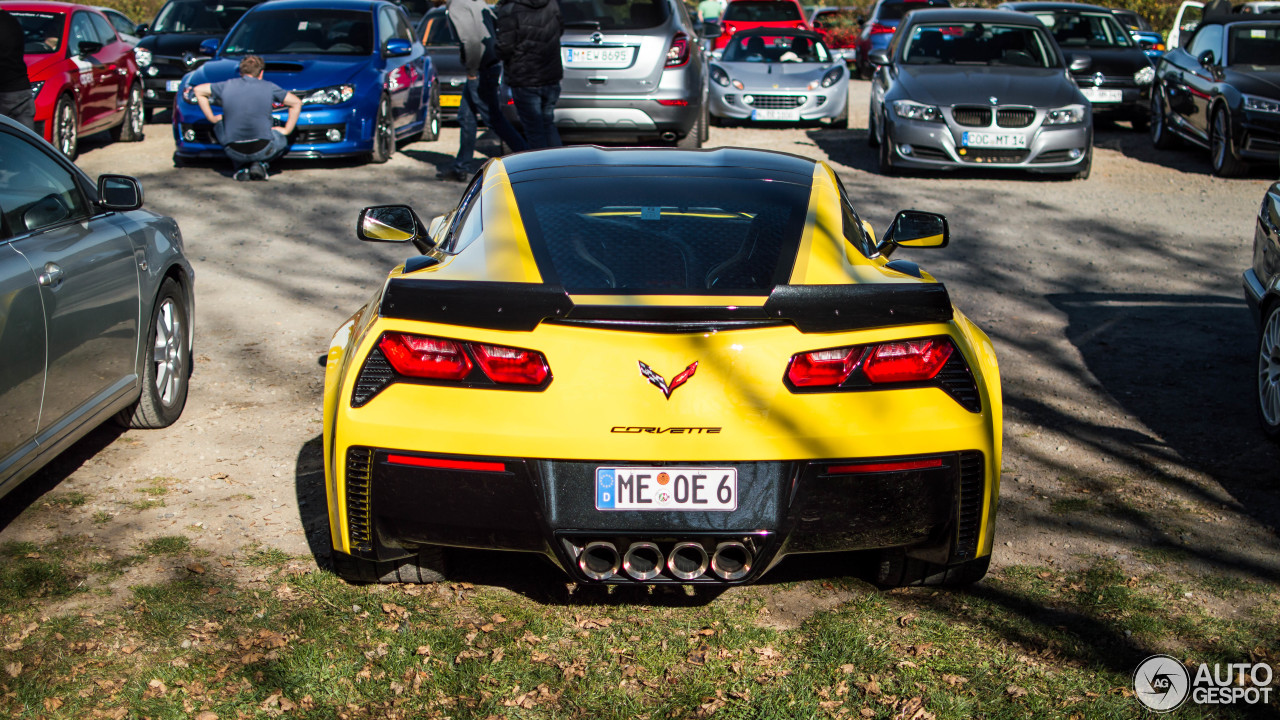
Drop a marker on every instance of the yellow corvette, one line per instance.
(660, 366)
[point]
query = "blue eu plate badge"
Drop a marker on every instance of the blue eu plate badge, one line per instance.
(606, 489)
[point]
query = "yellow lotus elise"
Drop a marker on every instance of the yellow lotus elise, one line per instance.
(660, 366)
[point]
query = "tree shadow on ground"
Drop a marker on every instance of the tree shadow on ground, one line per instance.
(48, 478)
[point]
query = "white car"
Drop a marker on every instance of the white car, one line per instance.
(776, 75)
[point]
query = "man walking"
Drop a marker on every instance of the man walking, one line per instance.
(245, 128)
(15, 86)
(473, 23)
(529, 44)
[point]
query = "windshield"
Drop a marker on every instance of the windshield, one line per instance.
(199, 16)
(750, 11)
(671, 234)
(1085, 30)
(776, 48)
(978, 44)
(309, 31)
(41, 31)
(613, 14)
(437, 30)
(899, 10)
(1254, 45)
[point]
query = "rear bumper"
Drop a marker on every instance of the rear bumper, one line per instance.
(625, 117)
(388, 508)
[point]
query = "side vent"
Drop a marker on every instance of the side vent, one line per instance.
(359, 479)
(971, 485)
(373, 378)
(957, 381)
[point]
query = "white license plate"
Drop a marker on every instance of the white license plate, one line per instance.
(172, 85)
(992, 140)
(697, 489)
(605, 57)
(1102, 95)
(782, 115)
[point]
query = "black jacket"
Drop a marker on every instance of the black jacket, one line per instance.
(529, 42)
(13, 69)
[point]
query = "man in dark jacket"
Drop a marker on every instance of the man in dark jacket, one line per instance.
(472, 21)
(529, 44)
(15, 86)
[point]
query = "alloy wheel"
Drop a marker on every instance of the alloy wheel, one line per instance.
(1269, 371)
(67, 129)
(137, 114)
(167, 352)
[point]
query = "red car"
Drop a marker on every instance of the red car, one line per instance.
(750, 14)
(83, 75)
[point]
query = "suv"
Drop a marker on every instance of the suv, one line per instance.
(877, 29)
(633, 71)
(170, 46)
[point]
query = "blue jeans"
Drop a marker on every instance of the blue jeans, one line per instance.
(536, 108)
(480, 101)
(276, 146)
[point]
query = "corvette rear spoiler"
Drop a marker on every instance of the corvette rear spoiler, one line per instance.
(524, 306)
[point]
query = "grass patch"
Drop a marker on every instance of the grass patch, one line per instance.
(67, 500)
(1063, 506)
(145, 504)
(244, 497)
(257, 555)
(157, 486)
(167, 545)
(1164, 554)
(102, 517)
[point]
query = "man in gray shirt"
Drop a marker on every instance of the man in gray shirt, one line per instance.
(245, 128)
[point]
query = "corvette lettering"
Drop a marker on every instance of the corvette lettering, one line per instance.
(629, 429)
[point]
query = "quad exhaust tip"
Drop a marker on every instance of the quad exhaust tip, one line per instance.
(599, 560)
(642, 561)
(731, 561)
(688, 561)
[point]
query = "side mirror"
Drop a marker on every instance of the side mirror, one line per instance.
(712, 30)
(397, 47)
(394, 224)
(88, 47)
(914, 228)
(141, 30)
(1206, 58)
(119, 192)
(878, 58)
(209, 46)
(1079, 63)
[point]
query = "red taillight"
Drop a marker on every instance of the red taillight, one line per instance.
(907, 361)
(802, 26)
(425, 357)
(901, 466)
(511, 366)
(674, 103)
(446, 464)
(823, 368)
(880, 29)
(729, 29)
(678, 54)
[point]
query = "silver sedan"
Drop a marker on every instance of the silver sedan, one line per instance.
(779, 75)
(978, 88)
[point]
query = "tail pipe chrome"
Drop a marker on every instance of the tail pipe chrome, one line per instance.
(688, 561)
(731, 561)
(599, 560)
(642, 561)
(669, 136)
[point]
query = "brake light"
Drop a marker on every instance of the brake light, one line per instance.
(823, 368)
(881, 29)
(425, 357)
(901, 466)
(445, 464)
(678, 54)
(908, 361)
(729, 29)
(802, 26)
(511, 366)
(678, 102)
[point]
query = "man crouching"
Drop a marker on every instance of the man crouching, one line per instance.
(244, 129)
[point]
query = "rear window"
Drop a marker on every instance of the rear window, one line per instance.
(613, 14)
(619, 234)
(751, 11)
(899, 10)
(41, 31)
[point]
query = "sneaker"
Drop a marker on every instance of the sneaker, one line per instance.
(258, 171)
(243, 174)
(452, 173)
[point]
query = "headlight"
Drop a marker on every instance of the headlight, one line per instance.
(719, 76)
(832, 77)
(142, 56)
(1069, 115)
(328, 96)
(1145, 76)
(915, 111)
(35, 88)
(1261, 104)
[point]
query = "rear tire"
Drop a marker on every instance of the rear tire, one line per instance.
(898, 570)
(167, 354)
(693, 140)
(427, 567)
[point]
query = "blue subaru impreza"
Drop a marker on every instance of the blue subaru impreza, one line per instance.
(363, 77)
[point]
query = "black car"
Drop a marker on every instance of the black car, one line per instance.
(441, 43)
(1262, 291)
(1219, 90)
(1117, 77)
(170, 46)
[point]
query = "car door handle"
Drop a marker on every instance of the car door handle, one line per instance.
(51, 277)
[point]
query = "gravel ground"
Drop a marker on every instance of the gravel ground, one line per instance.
(1115, 304)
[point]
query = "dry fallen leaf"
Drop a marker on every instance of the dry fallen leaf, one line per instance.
(905, 620)
(196, 568)
(206, 715)
(1015, 691)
